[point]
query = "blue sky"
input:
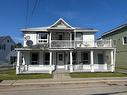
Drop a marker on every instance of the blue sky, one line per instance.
(99, 14)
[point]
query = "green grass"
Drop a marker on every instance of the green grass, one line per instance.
(95, 74)
(121, 67)
(11, 75)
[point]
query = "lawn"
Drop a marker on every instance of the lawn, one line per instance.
(121, 67)
(97, 74)
(11, 75)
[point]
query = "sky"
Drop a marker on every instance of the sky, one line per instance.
(102, 15)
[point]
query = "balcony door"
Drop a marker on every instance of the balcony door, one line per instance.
(60, 37)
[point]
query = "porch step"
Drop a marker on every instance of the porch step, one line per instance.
(61, 71)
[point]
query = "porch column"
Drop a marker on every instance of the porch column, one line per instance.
(75, 42)
(71, 65)
(50, 63)
(105, 61)
(70, 40)
(23, 58)
(112, 62)
(18, 62)
(92, 61)
(50, 39)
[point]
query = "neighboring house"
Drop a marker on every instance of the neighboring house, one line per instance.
(119, 38)
(61, 46)
(6, 46)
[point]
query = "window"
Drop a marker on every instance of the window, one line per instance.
(79, 36)
(74, 58)
(124, 40)
(8, 41)
(114, 42)
(12, 47)
(85, 58)
(2, 47)
(42, 37)
(100, 59)
(60, 57)
(34, 58)
(72, 36)
(46, 58)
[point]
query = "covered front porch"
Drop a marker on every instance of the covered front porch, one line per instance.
(80, 60)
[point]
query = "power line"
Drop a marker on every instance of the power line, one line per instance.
(27, 13)
(35, 7)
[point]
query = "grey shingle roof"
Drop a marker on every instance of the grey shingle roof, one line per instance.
(2, 38)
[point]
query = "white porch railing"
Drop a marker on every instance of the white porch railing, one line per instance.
(62, 44)
(75, 44)
(87, 68)
(36, 68)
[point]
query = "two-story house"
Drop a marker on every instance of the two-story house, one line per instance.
(61, 46)
(7, 45)
(119, 37)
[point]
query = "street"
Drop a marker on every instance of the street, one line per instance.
(67, 89)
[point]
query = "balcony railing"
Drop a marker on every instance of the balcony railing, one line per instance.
(78, 44)
(75, 44)
(62, 44)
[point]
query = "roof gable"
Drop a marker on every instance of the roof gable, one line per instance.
(115, 30)
(61, 24)
(4, 38)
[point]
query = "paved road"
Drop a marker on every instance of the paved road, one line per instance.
(67, 89)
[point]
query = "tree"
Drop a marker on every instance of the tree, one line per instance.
(18, 45)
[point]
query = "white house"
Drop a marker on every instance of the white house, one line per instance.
(7, 45)
(61, 46)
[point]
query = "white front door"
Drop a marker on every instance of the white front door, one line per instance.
(60, 60)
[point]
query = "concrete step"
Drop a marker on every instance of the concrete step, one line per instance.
(61, 71)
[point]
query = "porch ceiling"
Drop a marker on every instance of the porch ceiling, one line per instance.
(94, 48)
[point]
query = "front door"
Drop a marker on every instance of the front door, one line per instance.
(60, 60)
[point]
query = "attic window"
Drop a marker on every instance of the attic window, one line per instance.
(125, 40)
(8, 41)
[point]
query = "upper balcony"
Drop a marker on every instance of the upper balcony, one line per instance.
(67, 44)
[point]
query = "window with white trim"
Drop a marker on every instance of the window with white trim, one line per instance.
(125, 40)
(43, 37)
(79, 36)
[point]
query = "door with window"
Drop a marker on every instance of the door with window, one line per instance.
(85, 58)
(34, 58)
(60, 59)
(100, 59)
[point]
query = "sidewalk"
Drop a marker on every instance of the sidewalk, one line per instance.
(65, 81)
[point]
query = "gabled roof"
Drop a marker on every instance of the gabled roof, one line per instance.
(61, 24)
(114, 30)
(2, 38)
